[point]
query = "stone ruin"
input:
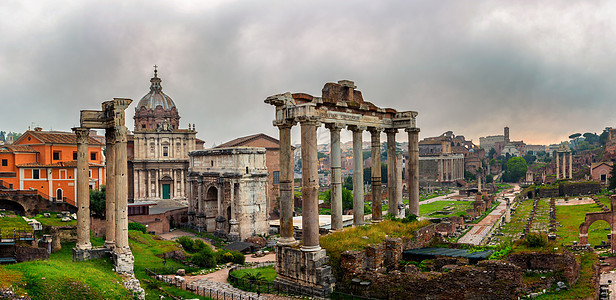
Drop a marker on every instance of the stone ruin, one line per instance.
(340, 106)
(608, 216)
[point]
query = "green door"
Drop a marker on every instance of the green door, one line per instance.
(166, 191)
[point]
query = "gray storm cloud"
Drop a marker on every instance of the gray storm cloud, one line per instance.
(544, 69)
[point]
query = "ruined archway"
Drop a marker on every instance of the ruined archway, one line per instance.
(211, 208)
(13, 206)
(592, 218)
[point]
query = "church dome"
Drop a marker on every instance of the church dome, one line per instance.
(156, 96)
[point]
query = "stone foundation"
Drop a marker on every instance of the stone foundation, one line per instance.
(124, 262)
(304, 271)
(132, 284)
(81, 255)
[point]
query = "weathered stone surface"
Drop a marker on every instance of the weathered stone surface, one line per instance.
(560, 262)
(304, 268)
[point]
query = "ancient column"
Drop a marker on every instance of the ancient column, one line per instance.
(121, 190)
(310, 185)
(571, 165)
(234, 231)
(110, 209)
(336, 184)
(358, 177)
(377, 201)
(83, 190)
(564, 165)
(399, 186)
(286, 185)
(200, 204)
(557, 166)
(413, 166)
(392, 167)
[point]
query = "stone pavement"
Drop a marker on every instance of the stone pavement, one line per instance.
(482, 229)
(223, 290)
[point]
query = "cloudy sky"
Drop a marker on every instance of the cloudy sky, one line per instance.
(546, 69)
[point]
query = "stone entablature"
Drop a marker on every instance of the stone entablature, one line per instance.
(228, 191)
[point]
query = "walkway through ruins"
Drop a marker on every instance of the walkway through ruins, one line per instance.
(482, 229)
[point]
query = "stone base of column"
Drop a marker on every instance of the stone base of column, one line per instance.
(110, 245)
(123, 261)
(81, 255)
(234, 231)
(220, 232)
(291, 242)
(84, 246)
(312, 278)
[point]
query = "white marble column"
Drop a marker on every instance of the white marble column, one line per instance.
(564, 165)
(110, 201)
(571, 165)
(377, 201)
(358, 176)
(336, 177)
(557, 166)
(310, 185)
(413, 166)
(286, 185)
(121, 191)
(392, 167)
(83, 190)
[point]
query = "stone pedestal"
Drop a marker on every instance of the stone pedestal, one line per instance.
(234, 231)
(220, 230)
(123, 262)
(303, 271)
(81, 255)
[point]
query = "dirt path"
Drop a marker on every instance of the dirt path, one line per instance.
(178, 233)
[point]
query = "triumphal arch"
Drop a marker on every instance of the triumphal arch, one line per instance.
(340, 106)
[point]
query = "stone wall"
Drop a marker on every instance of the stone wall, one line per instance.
(579, 188)
(560, 262)
(28, 253)
(486, 280)
(303, 269)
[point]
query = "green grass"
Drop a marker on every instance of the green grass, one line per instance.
(53, 221)
(426, 210)
(268, 273)
(584, 287)
(570, 217)
(11, 222)
(61, 278)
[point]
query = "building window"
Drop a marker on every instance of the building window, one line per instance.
(74, 155)
(36, 174)
(90, 173)
(165, 151)
(56, 155)
(142, 126)
(603, 177)
(5, 162)
(276, 177)
(92, 155)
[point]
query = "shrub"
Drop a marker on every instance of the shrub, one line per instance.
(534, 240)
(137, 226)
(226, 256)
(238, 257)
(205, 258)
(187, 243)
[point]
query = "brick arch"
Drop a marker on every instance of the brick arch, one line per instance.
(14, 206)
(607, 216)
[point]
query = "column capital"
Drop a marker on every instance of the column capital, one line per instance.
(109, 135)
(391, 130)
(283, 124)
(308, 120)
(412, 129)
(334, 126)
(356, 128)
(82, 134)
(120, 134)
(375, 130)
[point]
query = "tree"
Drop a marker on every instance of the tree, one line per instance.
(2, 136)
(97, 201)
(529, 158)
(348, 183)
(347, 198)
(368, 174)
(575, 136)
(492, 153)
(612, 179)
(321, 155)
(604, 137)
(469, 176)
(516, 169)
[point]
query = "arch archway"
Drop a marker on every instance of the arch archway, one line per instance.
(211, 208)
(59, 195)
(590, 219)
(13, 206)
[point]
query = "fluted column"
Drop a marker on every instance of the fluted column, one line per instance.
(413, 166)
(564, 165)
(377, 201)
(557, 166)
(310, 185)
(400, 210)
(392, 169)
(571, 165)
(83, 190)
(200, 204)
(286, 185)
(358, 176)
(336, 182)
(121, 190)
(110, 201)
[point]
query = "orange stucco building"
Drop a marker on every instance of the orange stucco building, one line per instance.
(46, 161)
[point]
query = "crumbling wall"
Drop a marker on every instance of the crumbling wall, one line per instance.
(28, 253)
(564, 262)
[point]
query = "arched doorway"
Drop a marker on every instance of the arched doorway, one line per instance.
(595, 229)
(211, 208)
(13, 206)
(59, 195)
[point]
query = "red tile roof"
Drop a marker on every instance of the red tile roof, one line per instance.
(17, 148)
(56, 137)
(242, 141)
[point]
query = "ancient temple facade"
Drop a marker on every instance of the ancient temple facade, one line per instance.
(228, 190)
(158, 148)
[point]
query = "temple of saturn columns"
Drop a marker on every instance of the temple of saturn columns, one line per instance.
(340, 106)
(564, 152)
(110, 118)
